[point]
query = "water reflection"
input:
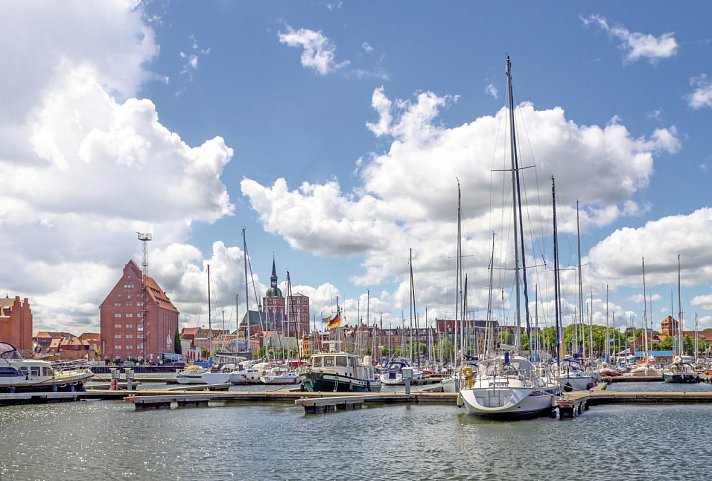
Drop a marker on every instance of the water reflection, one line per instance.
(109, 440)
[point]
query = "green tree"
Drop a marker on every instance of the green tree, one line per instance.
(505, 337)
(177, 347)
(444, 350)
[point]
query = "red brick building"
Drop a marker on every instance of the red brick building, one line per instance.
(16, 323)
(289, 316)
(123, 335)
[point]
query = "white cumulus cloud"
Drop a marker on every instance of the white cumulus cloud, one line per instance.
(702, 95)
(637, 45)
(406, 196)
(318, 51)
(86, 162)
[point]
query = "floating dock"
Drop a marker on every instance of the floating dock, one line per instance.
(316, 401)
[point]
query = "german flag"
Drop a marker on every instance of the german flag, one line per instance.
(334, 323)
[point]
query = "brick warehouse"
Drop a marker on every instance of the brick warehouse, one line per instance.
(122, 334)
(16, 323)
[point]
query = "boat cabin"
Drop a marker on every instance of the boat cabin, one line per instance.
(326, 360)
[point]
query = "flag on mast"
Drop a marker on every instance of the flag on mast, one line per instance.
(334, 323)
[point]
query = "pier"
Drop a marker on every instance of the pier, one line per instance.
(570, 405)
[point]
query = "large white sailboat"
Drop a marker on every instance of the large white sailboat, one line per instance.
(509, 385)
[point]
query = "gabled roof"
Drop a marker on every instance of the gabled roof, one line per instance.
(156, 294)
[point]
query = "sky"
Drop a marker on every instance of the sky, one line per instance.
(335, 134)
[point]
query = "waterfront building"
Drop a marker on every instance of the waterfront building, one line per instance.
(670, 326)
(66, 346)
(43, 339)
(16, 323)
(123, 334)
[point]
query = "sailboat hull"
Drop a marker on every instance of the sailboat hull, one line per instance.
(508, 402)
(329, 382)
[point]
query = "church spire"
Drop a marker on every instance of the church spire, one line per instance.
(273, 277)
(273, 290)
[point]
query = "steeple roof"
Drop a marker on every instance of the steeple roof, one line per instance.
(273, 290)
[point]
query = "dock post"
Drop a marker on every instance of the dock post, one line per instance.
(115, 376)
(407, 374)
(129, 378)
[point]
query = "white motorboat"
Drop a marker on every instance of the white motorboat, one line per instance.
(18, 374)
(279, 375)
(340, 371)
(573, 377)
(509, 387)
(236, 373)
(192, 374)
(392, 374)
(198, 375)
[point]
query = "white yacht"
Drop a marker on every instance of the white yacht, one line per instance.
(18, 374)
(392, 374)
(194, 374)
(340, 371)
(508, 387)
(279, 375)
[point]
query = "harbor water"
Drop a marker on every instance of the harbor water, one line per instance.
(109, 440)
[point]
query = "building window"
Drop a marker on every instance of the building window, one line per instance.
(118, 314)
(129, 326)
(117, 346)
(117, 326)
(117, 304)
(117, 336)
(129, 347)
(139, 346)
(129, 336)
(129, 315)
(139, 336)
(139, 328)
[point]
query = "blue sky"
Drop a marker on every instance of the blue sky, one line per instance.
(334, 133)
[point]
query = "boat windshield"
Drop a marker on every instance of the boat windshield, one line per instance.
(497, 367)
(8, 351)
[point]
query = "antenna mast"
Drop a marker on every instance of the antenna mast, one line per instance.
(145, 238)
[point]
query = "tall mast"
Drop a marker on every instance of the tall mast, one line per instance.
(696, 338)
(210, 326)
(679, 309)
(458, 280)
(518, 217)
(608, 342)
(645, 316)
(489, 329)
(247, 294)
(557, 291)
(410, 300)
(414, 312)
(513, 156)
(580, 281)
(590, 328)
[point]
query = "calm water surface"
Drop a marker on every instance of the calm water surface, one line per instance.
(109, 440)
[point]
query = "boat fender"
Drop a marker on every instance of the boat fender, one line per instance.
(467, 373)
